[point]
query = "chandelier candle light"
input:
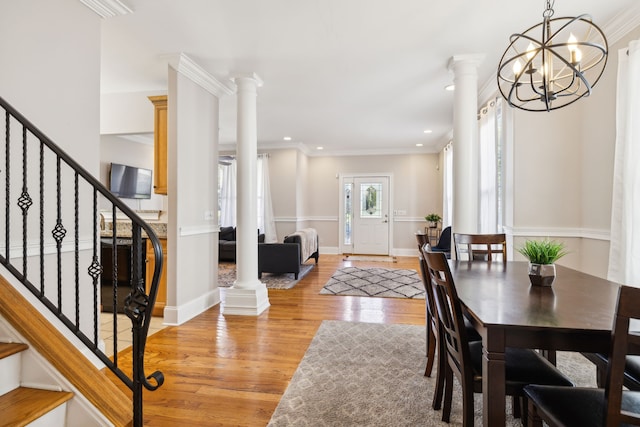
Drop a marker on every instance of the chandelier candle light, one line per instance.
(556, 70)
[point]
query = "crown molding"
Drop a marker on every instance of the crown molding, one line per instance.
(186, 66)
(621, 24)
(107, 8)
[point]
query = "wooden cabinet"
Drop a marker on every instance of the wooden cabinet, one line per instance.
(159, 144)
(161, 298)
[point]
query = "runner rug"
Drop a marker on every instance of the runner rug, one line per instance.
(227, 276)
(375, 282)
(363, 374)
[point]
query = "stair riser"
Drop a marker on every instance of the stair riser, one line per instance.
(54, 418)
(10, 368)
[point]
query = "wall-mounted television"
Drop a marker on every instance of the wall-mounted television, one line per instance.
(130, 182)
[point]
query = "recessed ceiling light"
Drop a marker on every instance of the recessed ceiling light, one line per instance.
(287, 138)
(450, 87)
(428, 131)
(419, 145)
(319, 148)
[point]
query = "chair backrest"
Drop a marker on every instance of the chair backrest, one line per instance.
(426, 281)
(449, 312)
(444, 242)
(421, 238)
(480, 246)
(624, 343)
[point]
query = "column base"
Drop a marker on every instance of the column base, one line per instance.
(246, 302)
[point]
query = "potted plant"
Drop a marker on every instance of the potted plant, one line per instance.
(542, 255)
(433, 219)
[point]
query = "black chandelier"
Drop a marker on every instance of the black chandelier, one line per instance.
(555, 70)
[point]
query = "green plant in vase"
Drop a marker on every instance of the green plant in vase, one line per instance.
(433, 219)
(542, 256)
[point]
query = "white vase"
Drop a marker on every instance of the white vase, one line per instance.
(542, 274)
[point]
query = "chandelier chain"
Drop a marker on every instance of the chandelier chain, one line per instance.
(548, 12)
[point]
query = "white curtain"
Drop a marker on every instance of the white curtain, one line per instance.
(228, 193)
(447, 184)
(266, 222)
(624, 253)
(488, 168)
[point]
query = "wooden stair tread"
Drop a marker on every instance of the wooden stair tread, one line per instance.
(23, 405)
(10, 348)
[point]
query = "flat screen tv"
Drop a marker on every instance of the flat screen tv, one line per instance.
(129, 182)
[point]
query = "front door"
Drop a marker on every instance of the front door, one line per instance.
(370, 214)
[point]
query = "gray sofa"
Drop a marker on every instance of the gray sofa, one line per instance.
(283, 257)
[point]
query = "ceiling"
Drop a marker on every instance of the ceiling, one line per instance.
(351, 76)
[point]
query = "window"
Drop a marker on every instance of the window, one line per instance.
(490, 183)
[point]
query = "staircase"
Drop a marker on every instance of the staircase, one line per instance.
(21, 405)
(51, 283)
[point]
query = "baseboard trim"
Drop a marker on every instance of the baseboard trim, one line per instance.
(175, 316)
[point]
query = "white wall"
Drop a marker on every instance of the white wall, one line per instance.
(564, 172)
(193, 182)
(51, 71)
(51, 74)
(126, 113)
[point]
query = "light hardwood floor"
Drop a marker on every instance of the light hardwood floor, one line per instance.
(223, 370)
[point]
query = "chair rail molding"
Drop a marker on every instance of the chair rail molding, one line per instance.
(583, 233)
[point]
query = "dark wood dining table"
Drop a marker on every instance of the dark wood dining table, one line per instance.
(575, 314)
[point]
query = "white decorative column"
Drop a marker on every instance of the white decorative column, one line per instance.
(248, 295)
(465, 143)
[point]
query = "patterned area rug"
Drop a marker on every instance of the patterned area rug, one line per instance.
(373, 375)
(227, 275)
(375, 282)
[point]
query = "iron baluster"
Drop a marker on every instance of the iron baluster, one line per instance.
(140, 304)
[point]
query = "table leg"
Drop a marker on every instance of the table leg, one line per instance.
(493, 380)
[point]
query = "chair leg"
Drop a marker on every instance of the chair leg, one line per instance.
(448, 394)
(467, 405)
(431, 351)
(533, 419)
(515, 404)
(524, 404)
(550, 355)
(601, 377)
(441, 369)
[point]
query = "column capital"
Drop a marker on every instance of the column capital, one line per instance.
(237, 77)
(466, 59)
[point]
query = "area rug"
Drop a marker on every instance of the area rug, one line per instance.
(227, 275)
(375, 282)
(376, 258)
(362, 374)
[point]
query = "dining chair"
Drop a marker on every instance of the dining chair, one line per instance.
(584, 406)
(464, 358)
(631, 370)
(480, 246)
(422, 239)
(431, 320)
(433, 332)
(444, 242)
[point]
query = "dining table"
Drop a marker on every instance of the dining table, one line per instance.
(574, 314)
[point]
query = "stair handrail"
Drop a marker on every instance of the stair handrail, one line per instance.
(138, 304)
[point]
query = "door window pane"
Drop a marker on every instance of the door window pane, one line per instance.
(370, 200)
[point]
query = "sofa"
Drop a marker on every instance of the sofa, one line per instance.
(288, 256)
(227, 243)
